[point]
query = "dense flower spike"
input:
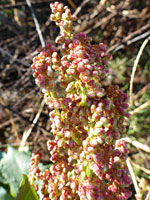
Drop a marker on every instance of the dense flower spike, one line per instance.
(87, 119)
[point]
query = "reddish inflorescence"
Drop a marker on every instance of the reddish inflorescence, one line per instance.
(87, 119)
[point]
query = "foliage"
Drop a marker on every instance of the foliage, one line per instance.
(13, 164)
(26, 191)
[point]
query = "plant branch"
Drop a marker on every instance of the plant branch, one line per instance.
(144, 105)
(36, 23)
(137, 144)
(28, 131)
(11, 57)
(134, 69)
(133, 176)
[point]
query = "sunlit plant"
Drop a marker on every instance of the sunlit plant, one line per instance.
(87, 119)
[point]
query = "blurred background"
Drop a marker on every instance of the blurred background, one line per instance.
(122, 25)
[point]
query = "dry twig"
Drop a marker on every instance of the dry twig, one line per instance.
(144, 105)
(6, 123)
(14, 127)
(72, 4)
(137, 144)
(80, 7)
(28, 131)
(129, 42)
(142, 91)
(36, 23)
(133, 176)
(19, 4)
(16, 17)
(134, 69)
(10, 57)
(141, 168)
(148, 196)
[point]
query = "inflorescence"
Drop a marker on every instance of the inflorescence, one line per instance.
(87, 119)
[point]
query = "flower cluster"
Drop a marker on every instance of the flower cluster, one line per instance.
(87, 119)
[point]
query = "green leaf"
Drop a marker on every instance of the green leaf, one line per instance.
(75, 138)
(4, 195)
(1, 155)
(12, 166)
(2, 179)
(26, 191)
(89, 171)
